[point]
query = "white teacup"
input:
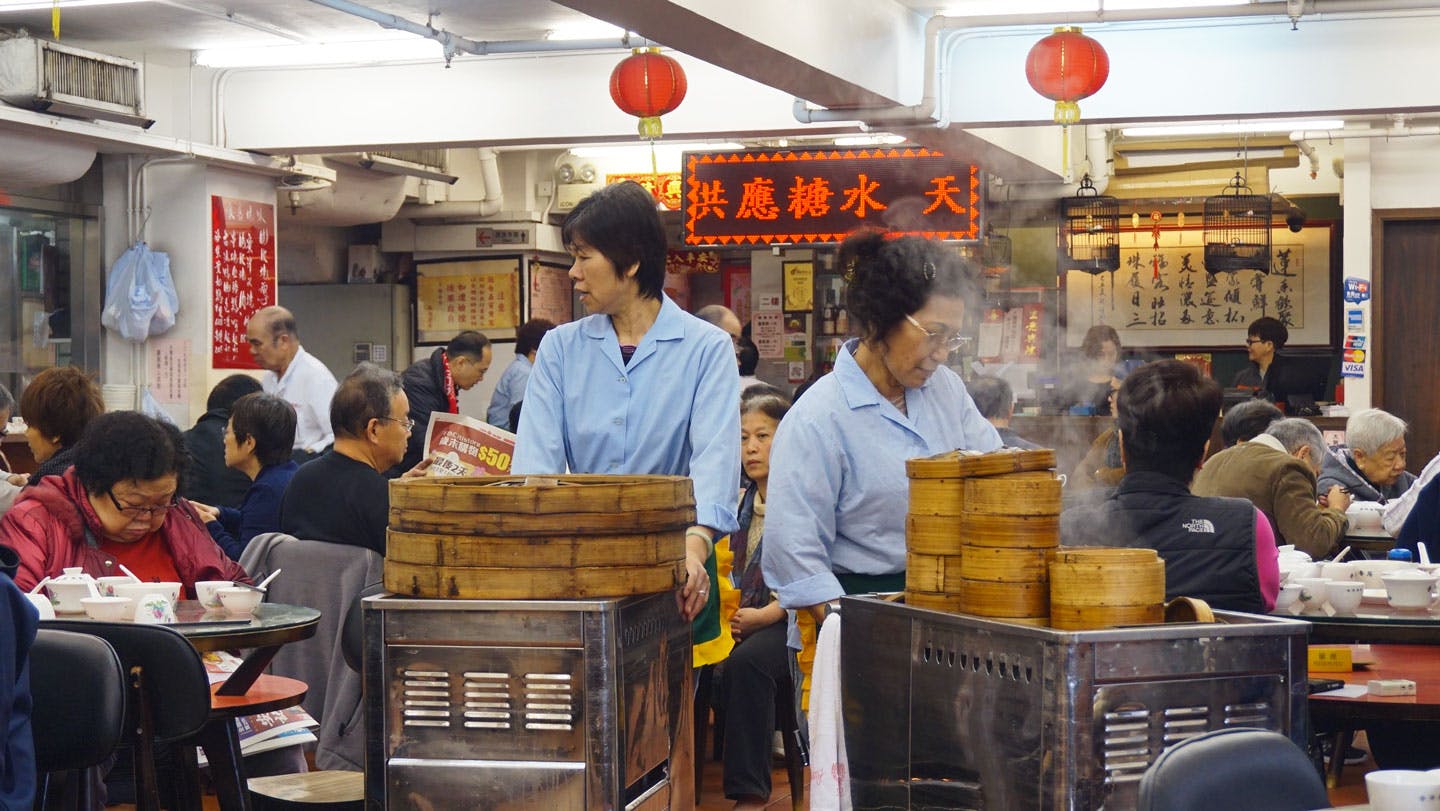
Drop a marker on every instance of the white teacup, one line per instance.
(1410, 588)
(240, 601)
(208, 591)
(1344, 570)
(1344, 595)
(135, 591)
(1286, 598)
(1313, 593)
(1402, 790)
(106, 585)
(108, 609)
(154, 608)
(42, 605)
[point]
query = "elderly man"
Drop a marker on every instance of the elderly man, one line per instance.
(1276, 471)
(1247, 420)
(434, 384)
(722, 317)
(996, 401)
(342, 496)
(1221, 550)
(295, 376)
(1372, 466)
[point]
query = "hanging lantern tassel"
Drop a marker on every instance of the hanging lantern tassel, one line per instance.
(1065, 67)
(648, 84)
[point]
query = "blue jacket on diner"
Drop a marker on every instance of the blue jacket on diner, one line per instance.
(258, 513)
(18, 621)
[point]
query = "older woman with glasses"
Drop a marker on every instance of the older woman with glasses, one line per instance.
(117, 505)
(835, 523)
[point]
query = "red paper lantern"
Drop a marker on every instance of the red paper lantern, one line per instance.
(648, 84)
(1067, 66)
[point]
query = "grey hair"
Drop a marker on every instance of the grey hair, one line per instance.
(1295, 432)
(715, 313)
(1367, 430)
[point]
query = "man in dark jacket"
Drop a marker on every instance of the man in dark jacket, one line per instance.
(434, 384)
(1221, 550)
(208, 480)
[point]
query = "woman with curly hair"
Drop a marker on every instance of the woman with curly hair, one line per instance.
(56, 406)
(835, 523)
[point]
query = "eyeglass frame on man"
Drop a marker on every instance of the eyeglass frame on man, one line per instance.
(407, 423)
(139, 511)
(952, 342)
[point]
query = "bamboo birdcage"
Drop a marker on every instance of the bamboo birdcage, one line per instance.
(1089, 230)
(1237, 229)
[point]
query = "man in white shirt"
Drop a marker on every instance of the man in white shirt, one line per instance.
(294, 375)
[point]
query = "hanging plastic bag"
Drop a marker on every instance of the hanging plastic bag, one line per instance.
(140, 297)
(150, 407)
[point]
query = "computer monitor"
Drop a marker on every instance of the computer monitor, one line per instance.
(1304, 378)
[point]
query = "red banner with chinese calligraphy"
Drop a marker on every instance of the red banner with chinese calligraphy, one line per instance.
(823, 195)
(242, 273)
(665, 186)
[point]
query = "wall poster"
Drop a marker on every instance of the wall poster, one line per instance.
(1162, 297)
(242, 274)
(478, 294)
(737, 291)
(551, 294)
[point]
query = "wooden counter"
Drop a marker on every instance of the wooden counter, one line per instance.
(17, 451)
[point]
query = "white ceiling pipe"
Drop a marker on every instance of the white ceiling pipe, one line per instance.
(488, 206)
(1308, 150)
(1384, 132)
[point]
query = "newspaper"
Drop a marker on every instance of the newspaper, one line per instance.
(463, 446)
(264, 731)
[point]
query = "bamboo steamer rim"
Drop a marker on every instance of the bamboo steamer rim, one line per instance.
(961, 463)
(932, 573)
(1012, 531)
(1188, 609)
(534, 551)
(932, 534)
(936, 497)
(1003, 563)
(993, 598)
(509, 524)
(1088, 618)
(1017, 494)
(1106, 555)
(570, 493)
(484, 583)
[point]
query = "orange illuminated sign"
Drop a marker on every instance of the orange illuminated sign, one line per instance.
(738, 198)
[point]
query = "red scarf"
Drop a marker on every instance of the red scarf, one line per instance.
(450, 395)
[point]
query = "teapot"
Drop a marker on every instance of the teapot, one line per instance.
(67, 590)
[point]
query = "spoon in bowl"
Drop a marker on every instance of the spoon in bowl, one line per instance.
(1424, 553)
(1340, 557)
(129, 573)
(262, 584)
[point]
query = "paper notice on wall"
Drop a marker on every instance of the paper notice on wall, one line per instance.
(799, 285)
(463, 446)
(168, 362)
(768, 332)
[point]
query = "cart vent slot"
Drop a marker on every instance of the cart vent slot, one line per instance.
(1256, 714)
(549, 701)
(426, 698)
(487, 700)
(1126, 743)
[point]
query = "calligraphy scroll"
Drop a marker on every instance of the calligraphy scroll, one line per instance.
(551, 294)
(478, 294)
(242, 274)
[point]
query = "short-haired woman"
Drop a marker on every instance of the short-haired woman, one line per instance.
(56, 406)
(258, 439)
(835, 522)
(1371, 467)
(118, 504)
(639, 386)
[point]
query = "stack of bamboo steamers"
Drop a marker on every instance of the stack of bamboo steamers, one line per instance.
(983, 538)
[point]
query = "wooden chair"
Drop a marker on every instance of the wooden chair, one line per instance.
(78, 691)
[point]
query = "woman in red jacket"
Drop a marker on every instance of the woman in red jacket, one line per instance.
(119, 504)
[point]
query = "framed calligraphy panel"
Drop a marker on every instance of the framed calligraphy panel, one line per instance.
(1162, 296)
(242, 274)
(551, 293)
(478, 294)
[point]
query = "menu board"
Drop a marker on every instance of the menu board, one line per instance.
(474, 294)
(242, 274)
(551, 294)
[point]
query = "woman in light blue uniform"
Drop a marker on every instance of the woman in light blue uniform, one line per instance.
(640, 386)
(835, 522)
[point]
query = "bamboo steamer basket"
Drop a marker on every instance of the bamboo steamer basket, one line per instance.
(1101, 584)
(1107, 555)
(1012, 531)
(1015, 494)
(964, 464)
(937, 497)
(512, 538)
(1004, 564)
(994, 598)
(939, 574)
(935, 602)
(932, 534)
(1092, 617)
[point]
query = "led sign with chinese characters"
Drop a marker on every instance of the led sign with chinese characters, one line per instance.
(821, 196)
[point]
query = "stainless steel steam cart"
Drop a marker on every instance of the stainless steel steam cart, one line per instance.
(958, 712)
(510, 704)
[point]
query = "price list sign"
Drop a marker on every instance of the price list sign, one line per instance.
(242, 273)
(482, 295)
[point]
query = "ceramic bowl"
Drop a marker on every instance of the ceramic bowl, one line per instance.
(208, 591)
(240, 601)
(43, 606)
(1410, 589)
(1370, 572)
(1402, 790)
(108, 609)
(1344, 595)
(1365, 516)
(1345, 570)
(1286, 598)
(1313, 593)
(106, 585)
(135, 591)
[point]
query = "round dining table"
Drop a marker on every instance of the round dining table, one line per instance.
(261, 635)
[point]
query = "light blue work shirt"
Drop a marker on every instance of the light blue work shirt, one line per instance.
(508, 391)
(838, 493)
(671, 410)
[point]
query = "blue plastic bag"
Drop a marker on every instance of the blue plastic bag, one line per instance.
(140, 297)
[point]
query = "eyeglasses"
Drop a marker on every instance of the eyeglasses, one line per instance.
(951, 341)
(1249, 341)
(407, 424)
(139, 511)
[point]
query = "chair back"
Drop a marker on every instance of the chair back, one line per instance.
(352, 632)
(176, 685)
(1236, 769)
(334, 698)
(78, 688)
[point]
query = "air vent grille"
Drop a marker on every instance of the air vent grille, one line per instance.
(94, 79)
(426, 697)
